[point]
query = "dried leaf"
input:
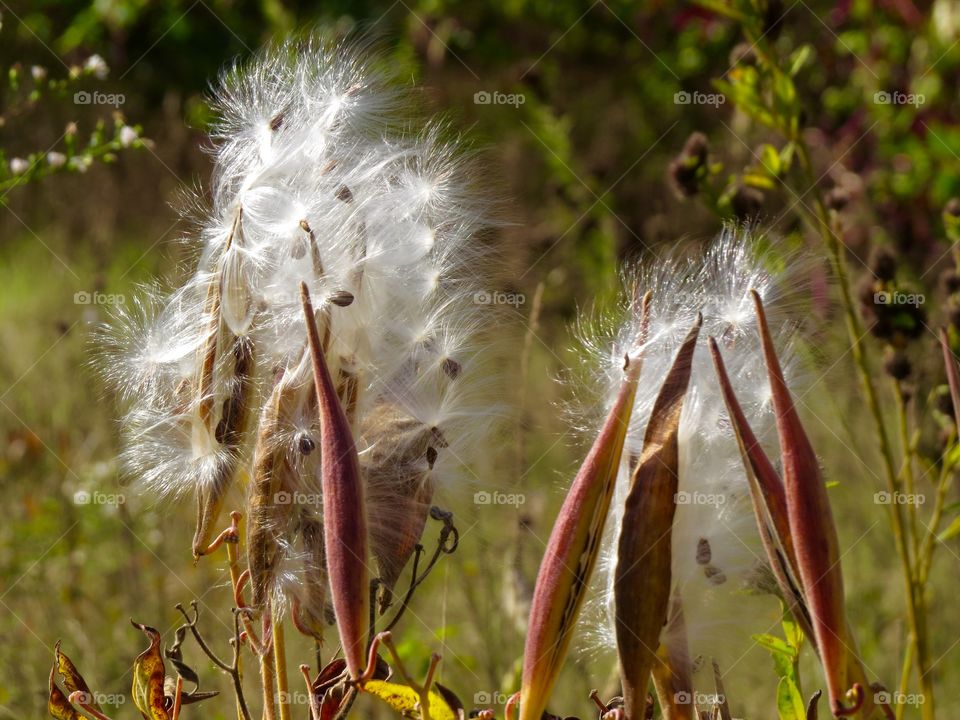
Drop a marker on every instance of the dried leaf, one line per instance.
(148, 677)
(406, 701)
(72, 678)
(57, 704)
(642, 578)
(572, 551)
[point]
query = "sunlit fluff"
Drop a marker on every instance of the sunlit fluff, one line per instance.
(717, 556)
(322, 174)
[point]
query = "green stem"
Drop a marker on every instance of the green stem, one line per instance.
(855, 330)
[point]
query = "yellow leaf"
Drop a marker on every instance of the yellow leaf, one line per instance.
(148, 674)
(72, 677)
(406, 701)
(57, 704)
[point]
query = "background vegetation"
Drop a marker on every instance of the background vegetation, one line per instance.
(584, 167)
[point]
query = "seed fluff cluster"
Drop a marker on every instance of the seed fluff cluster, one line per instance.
(718, 562)
(323, 174)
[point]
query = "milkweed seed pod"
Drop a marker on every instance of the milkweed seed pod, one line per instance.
(324, 174)
(709, 592)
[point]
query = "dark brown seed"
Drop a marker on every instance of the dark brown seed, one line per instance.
(344, 194)
(438, 437)
(704, 553)
(305, 444)
(342, 298)
(452, 368)
(277, 122)
(431, 456)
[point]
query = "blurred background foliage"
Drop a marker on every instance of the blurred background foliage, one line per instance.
(583, 168)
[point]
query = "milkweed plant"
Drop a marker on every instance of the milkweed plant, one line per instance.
(324, 375)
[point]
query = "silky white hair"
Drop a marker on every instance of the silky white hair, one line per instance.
(718, 564)
(324, 173)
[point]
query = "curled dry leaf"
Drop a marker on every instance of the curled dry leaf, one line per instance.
(148, 678)
(57, 704)
(406, 701)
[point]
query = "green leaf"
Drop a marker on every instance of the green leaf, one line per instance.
(775, 644)
(789, 701)
(799, 59)
(771, 159)
(951, 532)
(792, 632)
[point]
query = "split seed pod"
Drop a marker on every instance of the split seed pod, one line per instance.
(572, 550)
(642, 579)
(804, 551)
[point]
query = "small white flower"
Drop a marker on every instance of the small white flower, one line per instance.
(127, 136)
(56, 159)
(97, 66)
(81, 163)
(18, 166)
(38, 73)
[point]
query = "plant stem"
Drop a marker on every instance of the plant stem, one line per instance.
(233, 553)
(915, 605)
(280, 661)
(268, 672)
(906, 467)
